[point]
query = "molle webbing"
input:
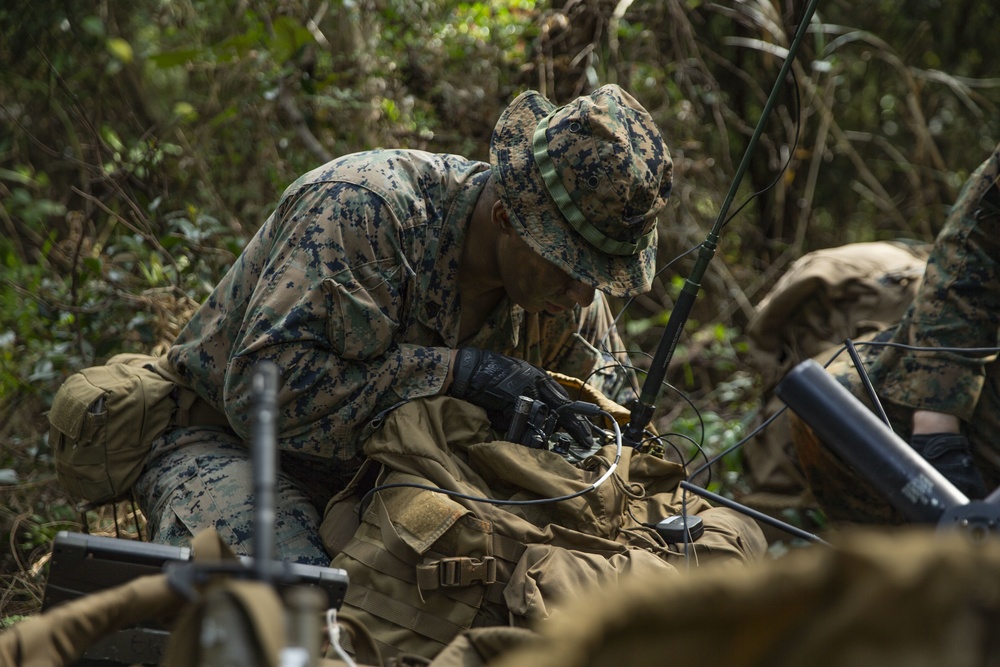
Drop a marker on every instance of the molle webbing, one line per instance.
(437, 593)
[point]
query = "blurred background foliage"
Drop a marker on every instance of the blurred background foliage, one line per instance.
(142, 143)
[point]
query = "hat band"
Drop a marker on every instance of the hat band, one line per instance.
(568, 208)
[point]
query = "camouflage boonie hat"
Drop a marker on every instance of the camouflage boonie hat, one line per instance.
(584, 183)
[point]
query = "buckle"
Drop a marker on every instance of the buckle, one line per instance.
(465, 571)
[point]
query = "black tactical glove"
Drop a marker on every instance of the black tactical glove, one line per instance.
(950, 454)
(494, 381)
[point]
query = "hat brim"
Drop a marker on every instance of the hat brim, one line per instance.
(537, 218)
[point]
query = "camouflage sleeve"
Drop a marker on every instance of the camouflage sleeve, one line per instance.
(326, 308)
(958, 305)
(590, 348)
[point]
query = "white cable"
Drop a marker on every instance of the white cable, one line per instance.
(333, 630)
(618, 453)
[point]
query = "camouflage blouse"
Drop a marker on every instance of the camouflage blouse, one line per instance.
(958, 306)
(351, 288)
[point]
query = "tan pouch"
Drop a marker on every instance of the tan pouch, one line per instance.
(102, 423)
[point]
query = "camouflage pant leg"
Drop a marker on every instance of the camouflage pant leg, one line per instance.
(202, 477)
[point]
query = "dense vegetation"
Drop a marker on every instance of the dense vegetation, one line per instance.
(142, 143)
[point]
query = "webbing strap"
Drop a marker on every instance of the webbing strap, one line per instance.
(504, 548)
(494, 593)
(380, 560)
(507, 549)
(402, 614)
(387, 651)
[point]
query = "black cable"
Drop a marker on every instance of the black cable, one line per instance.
(465, 496)
(915, 348)
(734, 447)
(617, 366)
(769, 420)
(866, 381)
(752, 513)
(682, 395)
(922, 348)
(784, 168)
(642, 410)
(686, 532)
(685, 461)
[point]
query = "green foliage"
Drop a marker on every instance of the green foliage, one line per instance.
(8, 621)
(709, 435)
(39, 531)
(718, 409)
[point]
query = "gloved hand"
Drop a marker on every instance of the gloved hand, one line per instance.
(494, 381)
(951, 455)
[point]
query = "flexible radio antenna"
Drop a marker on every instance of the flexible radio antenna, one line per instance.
(642, 410)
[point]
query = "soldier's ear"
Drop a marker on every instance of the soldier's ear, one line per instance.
(501, 219)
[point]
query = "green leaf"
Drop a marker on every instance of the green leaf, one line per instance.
(112, 139)
(120, 49)
(234, 48)
(94, 265)
(289, 38)
(93, 25)
(173, 149)
(390, 109)
(185, 111)
(176, 58)
(17, 177)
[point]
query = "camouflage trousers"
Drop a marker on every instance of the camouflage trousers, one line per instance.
(846, 495)
(202, 477)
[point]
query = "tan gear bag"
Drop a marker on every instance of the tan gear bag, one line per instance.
(424, 567)
(104, 419)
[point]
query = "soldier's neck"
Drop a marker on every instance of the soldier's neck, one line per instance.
(480, 287)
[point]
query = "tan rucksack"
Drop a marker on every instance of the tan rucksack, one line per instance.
(824, 297)
(425, 566)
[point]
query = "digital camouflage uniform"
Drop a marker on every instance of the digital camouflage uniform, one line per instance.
(957, 306)
(350, 287)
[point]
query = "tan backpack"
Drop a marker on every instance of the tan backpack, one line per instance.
(885, 598)
(824, 297)
(425, 566)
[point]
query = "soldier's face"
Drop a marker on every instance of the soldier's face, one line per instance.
(536, 284)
